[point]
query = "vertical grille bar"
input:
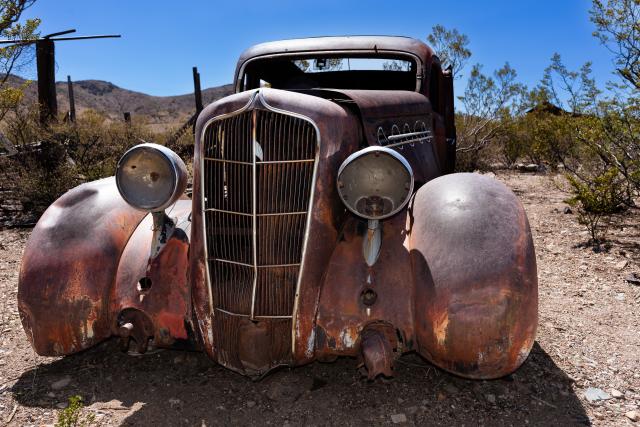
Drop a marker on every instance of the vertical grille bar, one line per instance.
(254, 231)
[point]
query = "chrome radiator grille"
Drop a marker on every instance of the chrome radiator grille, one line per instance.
(258, 173)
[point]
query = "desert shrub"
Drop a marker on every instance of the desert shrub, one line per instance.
(596, 200)
(72, 415)
(509, 147)
(489, 102)
(58, 157)
(614, 140)
(551, 139)
(183, 145)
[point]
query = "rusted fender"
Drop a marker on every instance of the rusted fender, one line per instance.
(69, 266)
(156, 289)
(476, 297)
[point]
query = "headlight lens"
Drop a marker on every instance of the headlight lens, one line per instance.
(375, 182)
(151, 177)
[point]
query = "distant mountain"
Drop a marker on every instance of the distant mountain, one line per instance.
(105, 97)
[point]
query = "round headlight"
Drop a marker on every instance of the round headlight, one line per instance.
(151, 177)
(375, 182)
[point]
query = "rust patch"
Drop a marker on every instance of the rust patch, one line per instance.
(440, 324)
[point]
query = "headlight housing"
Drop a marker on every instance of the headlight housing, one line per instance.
(375, 182)
(151, 177)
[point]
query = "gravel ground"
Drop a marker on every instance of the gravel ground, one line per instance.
(588, 338)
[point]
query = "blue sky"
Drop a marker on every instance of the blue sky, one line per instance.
(162, 40)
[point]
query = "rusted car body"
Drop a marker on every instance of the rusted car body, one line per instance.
(272, 262)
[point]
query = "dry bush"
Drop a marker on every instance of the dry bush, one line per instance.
(53, 159)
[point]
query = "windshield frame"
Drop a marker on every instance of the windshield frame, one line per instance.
(365, 53)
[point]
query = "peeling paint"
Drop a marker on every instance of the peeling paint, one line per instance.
(347, 338)
(311, 344)
(89, 331)
(440, 328)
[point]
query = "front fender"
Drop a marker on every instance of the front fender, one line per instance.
(474, 266)
(69, 267)
(162, 309)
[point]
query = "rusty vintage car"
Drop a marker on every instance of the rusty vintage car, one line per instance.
(325, 220)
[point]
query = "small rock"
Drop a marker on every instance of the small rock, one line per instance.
(619, 297)
(61, 383)
(491, 398)
(553, 249)
(616, 394)
(451, 389)
(593, 394)
(61, 405)
(51, 394)
(622, 264)
(633, 415)
(526, 168)
(175, 403)
(567, 210)
(633, 278)
(398, 418)
(251, 404)
(412, 410)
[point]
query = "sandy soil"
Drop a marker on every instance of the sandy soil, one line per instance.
(588, 336)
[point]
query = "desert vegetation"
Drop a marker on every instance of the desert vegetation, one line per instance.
(51, 159)
(566, 123)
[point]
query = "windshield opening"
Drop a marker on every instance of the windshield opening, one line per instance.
(335, 72)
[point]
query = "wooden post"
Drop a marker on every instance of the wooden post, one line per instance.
(45, 56)
(127, 117)
(197, 91)
(449, 120)
(72, 101)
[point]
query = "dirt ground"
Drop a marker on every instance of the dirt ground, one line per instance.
(588, 336)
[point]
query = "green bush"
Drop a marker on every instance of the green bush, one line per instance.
(72, 416)
(596, 200)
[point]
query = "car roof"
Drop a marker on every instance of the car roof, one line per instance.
(339, 43)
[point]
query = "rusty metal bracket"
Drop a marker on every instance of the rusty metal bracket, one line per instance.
(163, 228)
(377, 344)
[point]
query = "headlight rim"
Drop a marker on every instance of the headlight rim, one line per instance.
(178, 176)
(388, 151)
